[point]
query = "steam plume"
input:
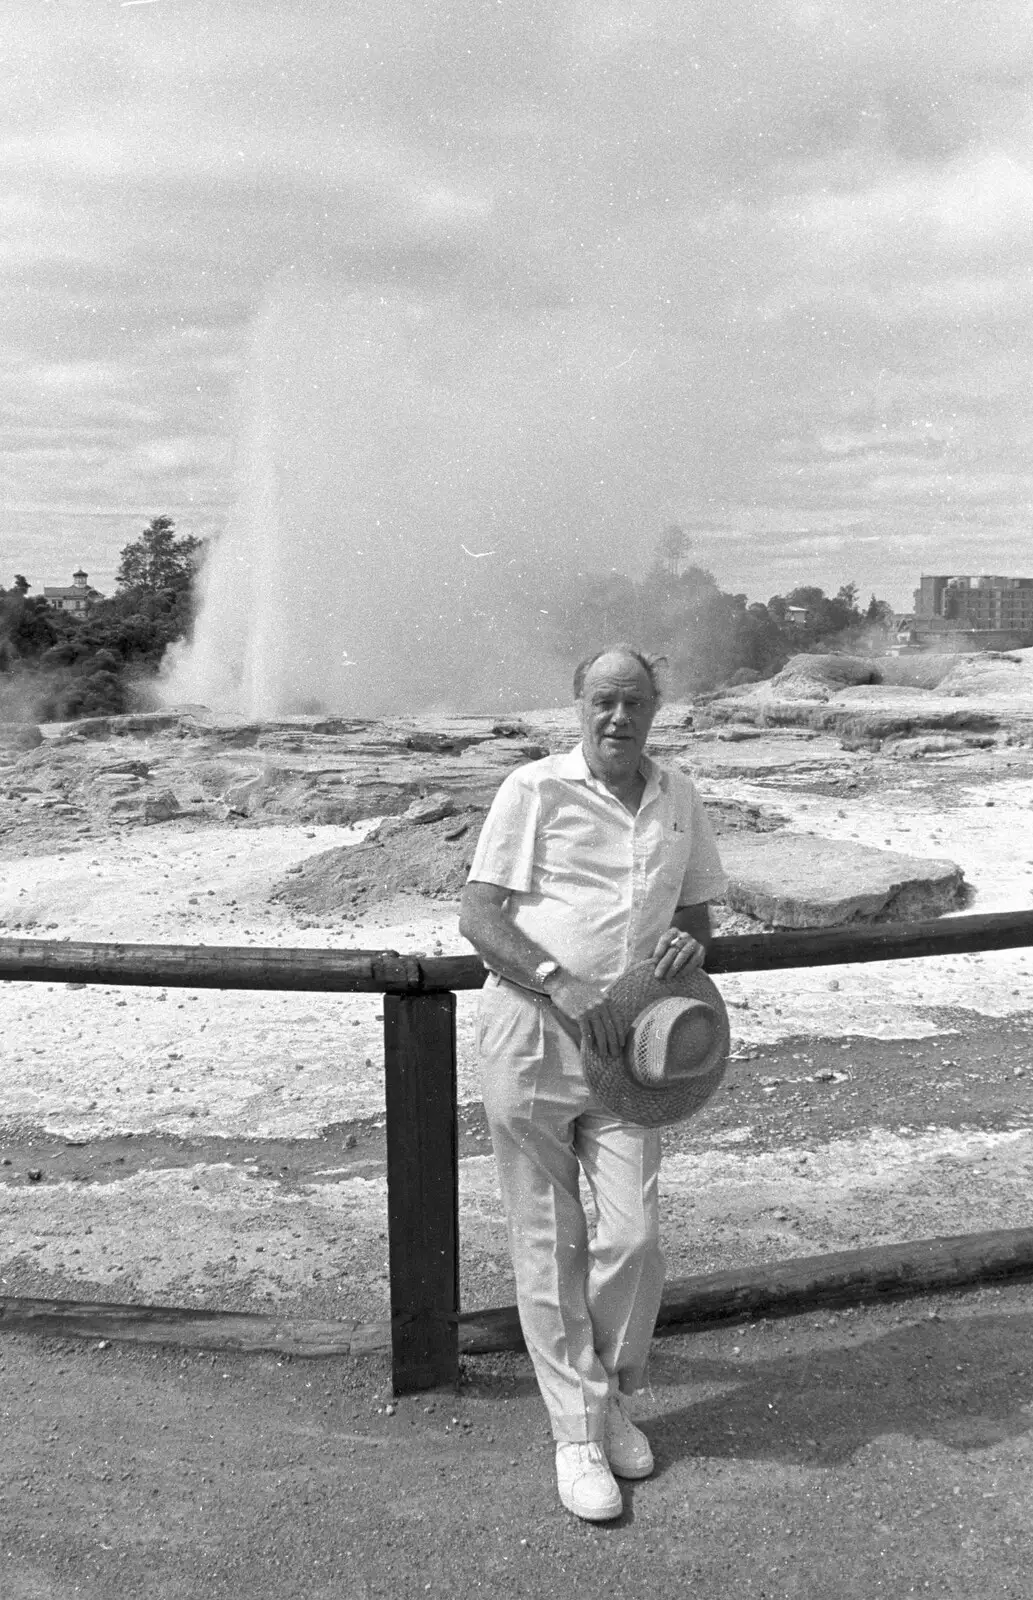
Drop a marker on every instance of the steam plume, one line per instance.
(383, 554)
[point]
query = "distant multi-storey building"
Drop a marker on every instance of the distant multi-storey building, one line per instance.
(987, 610)
(78, 598)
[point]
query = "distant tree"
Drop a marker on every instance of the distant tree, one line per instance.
(158, 559)
(671, 549)
(808, 596)
(57, 665)
(697, 582)
(21, 585)
(669, 613)
(83, 695)
(709, 637)
(26, 626)
(826, 615)
(879, 614)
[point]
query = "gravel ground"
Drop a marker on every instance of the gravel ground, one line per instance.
(885, 1452)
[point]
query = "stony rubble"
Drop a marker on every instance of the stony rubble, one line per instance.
(323, 771)
(427, 851)
(866, 701)
(435, 777)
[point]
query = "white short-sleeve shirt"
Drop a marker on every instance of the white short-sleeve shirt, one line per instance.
(591, 884)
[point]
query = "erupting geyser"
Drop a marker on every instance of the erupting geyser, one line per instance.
(394, 542)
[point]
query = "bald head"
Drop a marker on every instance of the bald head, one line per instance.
(650, 664)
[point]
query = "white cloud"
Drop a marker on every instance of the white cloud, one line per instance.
(62, 377)
(660, 243)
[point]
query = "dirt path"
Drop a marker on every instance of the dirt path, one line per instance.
(830, 1457)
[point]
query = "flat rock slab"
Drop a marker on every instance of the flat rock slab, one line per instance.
(768, 755)
(795, 880)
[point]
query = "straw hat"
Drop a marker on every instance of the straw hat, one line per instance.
(675, 1052)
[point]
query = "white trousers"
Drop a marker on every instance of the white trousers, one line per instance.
(587, 1306)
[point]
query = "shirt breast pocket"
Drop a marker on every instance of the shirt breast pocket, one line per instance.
(676, 848)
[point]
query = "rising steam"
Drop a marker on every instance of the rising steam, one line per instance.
(395, 541)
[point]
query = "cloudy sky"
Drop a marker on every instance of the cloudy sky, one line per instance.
(760, 267)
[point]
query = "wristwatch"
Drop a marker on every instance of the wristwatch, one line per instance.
(544, 971)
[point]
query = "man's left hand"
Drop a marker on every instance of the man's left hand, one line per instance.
(676, 950)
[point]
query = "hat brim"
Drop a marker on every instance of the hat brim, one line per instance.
(609, 1077)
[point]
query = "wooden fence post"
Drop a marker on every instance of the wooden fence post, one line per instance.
(422, 1189)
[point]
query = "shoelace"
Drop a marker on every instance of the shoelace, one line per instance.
(590, 1453)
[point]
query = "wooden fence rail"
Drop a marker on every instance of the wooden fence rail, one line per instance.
(386, 972)
(420, 1067)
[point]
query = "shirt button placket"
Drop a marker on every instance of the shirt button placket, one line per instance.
(639, 857)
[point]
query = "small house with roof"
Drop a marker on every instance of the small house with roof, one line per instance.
(76, 599)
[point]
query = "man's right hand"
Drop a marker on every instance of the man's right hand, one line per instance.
(590, 1011)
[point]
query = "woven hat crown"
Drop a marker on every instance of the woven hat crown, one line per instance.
(671, 1039)
(676, 1046)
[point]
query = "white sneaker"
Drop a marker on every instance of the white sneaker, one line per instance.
(586, 1485)
(627, 1447)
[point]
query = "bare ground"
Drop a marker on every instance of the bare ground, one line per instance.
(227, 1150)
(885, 1452)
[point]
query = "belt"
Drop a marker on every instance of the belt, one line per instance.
(541, 999)
(538, 995)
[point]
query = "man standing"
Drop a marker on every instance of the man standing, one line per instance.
(588, 862)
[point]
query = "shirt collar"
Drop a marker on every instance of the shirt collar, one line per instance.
(572, 765)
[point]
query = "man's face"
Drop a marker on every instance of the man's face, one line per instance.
(617, 706)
